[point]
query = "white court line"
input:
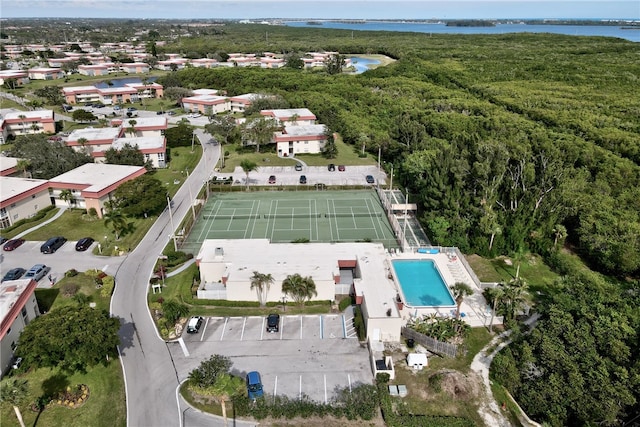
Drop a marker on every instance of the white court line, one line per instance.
(224, 328)
(325, 389)
(300, 387)
(275, 389)
(349, 378)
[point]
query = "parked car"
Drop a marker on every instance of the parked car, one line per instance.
(194, 324)
(272, 179)
(298, 167)
(37, 272)
(14, 274)
(131, 109)
(331, 167)
(171, 113)
(3, 240)
(273, 322)
(194, 115)
(370, 179)
(117, 108)
(303, 179)
(52, 245)
(12, 244)
(84, 244)
(342, 168)
(254, 385)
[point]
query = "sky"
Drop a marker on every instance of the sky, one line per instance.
(322, 9)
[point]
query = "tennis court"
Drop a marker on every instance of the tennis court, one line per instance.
(286, 216)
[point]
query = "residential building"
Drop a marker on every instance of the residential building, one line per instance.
(135, 67)
(241, 102)
(93, 141)
(20, 77)
(21, 198)
(14, 123)
(81, 94)
(9, 166)
(298, 116)
(153, 148)
(46, 73)
(171, 64)
(204, 63)
(143, 126)
(130, 92)
(18, 307)
(299, 139)
(94, 69)
(206, 104)
(59, 62)
(92, 184)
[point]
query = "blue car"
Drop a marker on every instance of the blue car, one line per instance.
(254, 385)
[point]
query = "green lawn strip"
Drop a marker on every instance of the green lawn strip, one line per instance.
(501, 397)
(475, 341)
(12, 232)
(105, 406)
(181, 160)
(8, 103)
(50, 299)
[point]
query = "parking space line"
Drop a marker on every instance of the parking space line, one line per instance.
(344, 327)
(243, 325)
(226, 319)
(349, 378)
(205, 329)
(321, 327)
(300, 327)
(300, 389)
(325, 389)
(282, 326)
(275, 388)
(262, 330)
(184, 347)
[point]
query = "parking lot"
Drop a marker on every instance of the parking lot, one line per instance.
(312, 355)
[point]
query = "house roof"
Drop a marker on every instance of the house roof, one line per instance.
(144, 143)
(301, 131)
(96, 177)
(286, 114)
(205, 99)
(8, 165)
(143, 122)
(13, 296)
(205, 92)
(15, 189)
(13, 116)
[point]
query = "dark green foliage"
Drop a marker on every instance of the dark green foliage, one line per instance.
(358, 323)
(71, 273)
(210, 370)
(172, 310)
(81, 115)
(72, 338)
(180, 135)
(127, 155)
(586, 340)
(52, 94)
(40, 153)
(142, 196)
(176, 258)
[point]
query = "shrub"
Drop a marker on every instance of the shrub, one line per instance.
(345, 302)
(71, 273)
(93, 212)
(69, 289)
(108, 284)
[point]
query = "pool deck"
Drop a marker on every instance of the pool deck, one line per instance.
(452, 270)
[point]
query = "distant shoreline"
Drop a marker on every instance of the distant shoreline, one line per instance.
(625, 23)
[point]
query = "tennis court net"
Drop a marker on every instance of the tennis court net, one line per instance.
(292, 215)
(218, 216)
(353, 215)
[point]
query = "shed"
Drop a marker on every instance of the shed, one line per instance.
(417, 360)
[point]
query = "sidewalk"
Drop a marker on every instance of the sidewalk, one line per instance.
(42, 224)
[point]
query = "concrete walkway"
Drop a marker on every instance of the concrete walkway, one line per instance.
(42, 224)
(489, 409)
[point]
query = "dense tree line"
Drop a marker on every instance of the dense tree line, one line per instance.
(500, 139)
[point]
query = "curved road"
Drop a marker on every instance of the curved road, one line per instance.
(151, 379)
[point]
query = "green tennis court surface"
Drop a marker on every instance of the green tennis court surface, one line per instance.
(320, 216)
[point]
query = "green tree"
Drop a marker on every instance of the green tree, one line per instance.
(494, 296)
(261, 283)
(172, 310)
(334, 64)
(132, 127)
(71, 338)
(258, 131)
(330, 149)
(14, 391)
(140, 197)
(179, 135)
(48, 158)
(115, 219)
(67, 196)
(80, 115)
(294, 61)
(24, 165)
(248, 166)
(128, 154)
(460, 291)
(210, 370)
(223, 128)
(299, 288)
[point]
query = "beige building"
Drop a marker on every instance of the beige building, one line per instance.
(92, 184)
(21, 198)
(18, 307)
(15, 123)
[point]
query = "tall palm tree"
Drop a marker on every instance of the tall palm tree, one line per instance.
(515, 296)
(34, 128)
(494, 297)
(260, 131)
(261, 283)
(116, 219)
(67, 196)
(132, 127)
(460, 290)
(24, 165)
(15, 391)
(23, 124)
(248, 166)
(299, 288)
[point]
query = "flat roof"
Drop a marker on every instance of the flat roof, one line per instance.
(205, 98)
(94, 134)
(77, 89)
(304, 130)
(205, 91)
(37, 114)
(143, 142)
(318, 260)
(7, 163)
(96, 176)
(10, 293)
(288, 112)
(15, 186)
(142, 122)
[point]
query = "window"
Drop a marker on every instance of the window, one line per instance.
(33, 196)
(13, 344)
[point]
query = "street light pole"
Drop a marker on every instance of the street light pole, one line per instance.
(173, 228)
(193, 138)
(193, 210)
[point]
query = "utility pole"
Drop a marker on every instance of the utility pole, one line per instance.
(173, 228)
(404, 229)
(193, 210)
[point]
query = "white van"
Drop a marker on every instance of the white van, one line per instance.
(194, 324)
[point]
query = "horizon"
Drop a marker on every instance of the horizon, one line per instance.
(624, 10)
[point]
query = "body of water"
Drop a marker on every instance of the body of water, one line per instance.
(441, 28)
(361, 64)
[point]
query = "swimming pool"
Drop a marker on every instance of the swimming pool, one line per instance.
(421, 283)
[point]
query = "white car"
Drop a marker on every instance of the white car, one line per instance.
(194, 115)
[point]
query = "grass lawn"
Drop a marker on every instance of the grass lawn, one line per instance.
(53, 298)
(105, 406)
(8, 103)
(347, 155)
(15, 231)
(181, 160)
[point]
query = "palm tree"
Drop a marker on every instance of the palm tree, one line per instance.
(260, 131)
(223, 128)
(34, 127)
(67, 196)
(15, 391)
(116, 219)
(261, 283)
(460, 290)
(82, 142)
(515, 295)
(299, 288)
(22, 118)
(248, 166)
(132, 127)
(24, 165)
(494, 297)
(560, 232)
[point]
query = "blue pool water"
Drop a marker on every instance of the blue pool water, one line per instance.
(361, 64)
(421, 283)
